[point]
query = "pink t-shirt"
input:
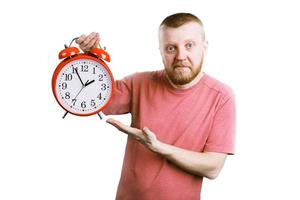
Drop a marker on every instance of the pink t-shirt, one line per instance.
(201, 118)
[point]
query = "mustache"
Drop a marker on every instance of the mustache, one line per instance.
(182, 64)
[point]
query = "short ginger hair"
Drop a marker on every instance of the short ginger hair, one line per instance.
(179, 19)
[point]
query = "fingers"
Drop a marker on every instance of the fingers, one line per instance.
(86, 43)
(112, 121)
(90, 40)
(96, 44)
(122, 127)
(116, 124)
(144, 136)
(137, 134)
(80, 39)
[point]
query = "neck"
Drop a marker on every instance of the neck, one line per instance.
(188, 85)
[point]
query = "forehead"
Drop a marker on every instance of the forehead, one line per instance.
(189, 31)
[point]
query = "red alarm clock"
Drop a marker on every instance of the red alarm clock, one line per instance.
(82, 83)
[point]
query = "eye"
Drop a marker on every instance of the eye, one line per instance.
(189, 45)
(170, 49)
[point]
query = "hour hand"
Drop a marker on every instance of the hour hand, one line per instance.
(79, 76)
(87, 83)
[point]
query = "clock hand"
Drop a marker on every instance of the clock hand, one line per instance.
(87, 83)
(79, 92)
(83, 86)
(79, 76)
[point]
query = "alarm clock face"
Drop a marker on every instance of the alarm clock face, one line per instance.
(83, 86)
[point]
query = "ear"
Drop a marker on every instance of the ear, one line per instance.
(205, 47)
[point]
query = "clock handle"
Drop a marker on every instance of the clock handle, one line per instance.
(66, 46)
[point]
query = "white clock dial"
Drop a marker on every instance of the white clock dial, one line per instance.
(83, 86)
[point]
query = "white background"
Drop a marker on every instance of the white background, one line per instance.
(253, 47)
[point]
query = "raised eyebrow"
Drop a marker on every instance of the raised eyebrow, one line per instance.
(190, 40)
(169, 44)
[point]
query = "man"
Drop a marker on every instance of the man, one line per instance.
(183, 120)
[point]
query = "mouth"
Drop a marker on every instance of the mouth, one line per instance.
(181, 67)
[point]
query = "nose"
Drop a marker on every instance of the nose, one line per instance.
(181, 54)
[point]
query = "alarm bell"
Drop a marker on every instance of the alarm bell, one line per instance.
(68, 52)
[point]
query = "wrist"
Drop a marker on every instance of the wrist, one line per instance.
(162, 149)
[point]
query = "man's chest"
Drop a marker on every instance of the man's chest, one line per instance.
(181, 120)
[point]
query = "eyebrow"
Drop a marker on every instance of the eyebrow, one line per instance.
(189, 40)
(185, 41)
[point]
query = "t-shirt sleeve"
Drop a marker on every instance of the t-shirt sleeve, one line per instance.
(121, 100)
(221, 138)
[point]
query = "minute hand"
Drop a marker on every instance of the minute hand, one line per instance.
(79, 76)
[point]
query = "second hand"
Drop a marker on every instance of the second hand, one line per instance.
(79, 92)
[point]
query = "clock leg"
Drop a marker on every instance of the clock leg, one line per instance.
(99, 114)
(65, 114)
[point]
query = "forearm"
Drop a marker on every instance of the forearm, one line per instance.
(205, 164)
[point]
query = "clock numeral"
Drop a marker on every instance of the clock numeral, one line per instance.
(73, 69)
(74, 101)
(84, 68)
(101, 77)
(64, 85)
(68, 77)
(93, 102)
(103, 86)
(83, 105)
(99, 96)
(67, 95)
(94, 70)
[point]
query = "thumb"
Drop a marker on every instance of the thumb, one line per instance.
(80, 39)
(146, 129)
(148, 133)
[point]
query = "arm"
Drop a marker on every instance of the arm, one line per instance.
(207, 164)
